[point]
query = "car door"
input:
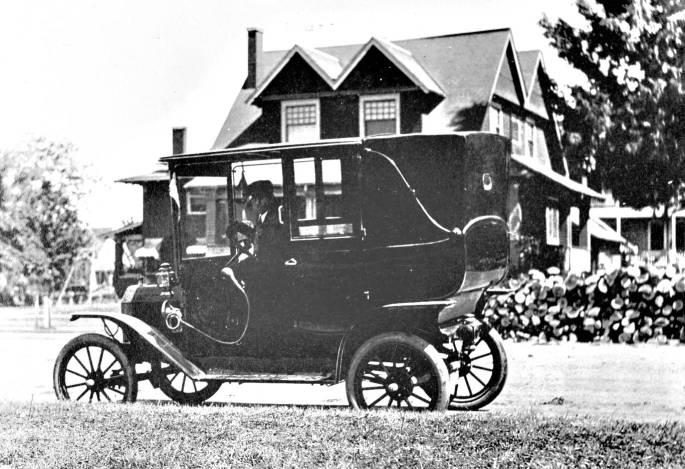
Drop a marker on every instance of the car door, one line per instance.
(408, 255)
(323, 264)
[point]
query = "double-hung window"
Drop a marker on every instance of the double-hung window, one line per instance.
(300, 121)
(379, 115)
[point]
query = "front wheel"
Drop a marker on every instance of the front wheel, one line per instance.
(397, 370)
(94, 367)
(181, 388)
(477, 371)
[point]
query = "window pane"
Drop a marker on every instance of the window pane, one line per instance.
(379, 128)
(204, 223)
(245, 174)
(332, 188)
(305, 189)
(656, 235)
(319, 198)
(300, 115)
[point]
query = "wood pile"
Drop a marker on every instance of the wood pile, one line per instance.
(629, 305)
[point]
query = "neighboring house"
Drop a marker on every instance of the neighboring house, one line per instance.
(141, 247)
(658, 235)
(462, 82)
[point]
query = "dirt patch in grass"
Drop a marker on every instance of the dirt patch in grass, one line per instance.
(144, 435)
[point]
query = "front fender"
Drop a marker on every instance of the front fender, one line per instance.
(151, 336)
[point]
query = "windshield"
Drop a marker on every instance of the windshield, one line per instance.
(204, 215)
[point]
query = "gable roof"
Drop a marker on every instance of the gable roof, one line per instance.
(463, 68)
(330, 67)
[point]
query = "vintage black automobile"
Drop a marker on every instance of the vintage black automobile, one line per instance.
(363, 260)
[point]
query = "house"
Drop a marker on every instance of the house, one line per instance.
(474, 81)
(140, 247)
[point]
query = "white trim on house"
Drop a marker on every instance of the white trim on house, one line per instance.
(300, 102)
(378, 97)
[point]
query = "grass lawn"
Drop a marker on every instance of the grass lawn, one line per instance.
(149, 435)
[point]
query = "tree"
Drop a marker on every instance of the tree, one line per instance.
(41, 234)
(626, 124)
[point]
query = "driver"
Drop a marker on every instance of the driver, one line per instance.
(266, 232)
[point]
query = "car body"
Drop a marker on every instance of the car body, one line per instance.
(368, 263)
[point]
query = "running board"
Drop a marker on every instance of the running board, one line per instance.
(216, 374)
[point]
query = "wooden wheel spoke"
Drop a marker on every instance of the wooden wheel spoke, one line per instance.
(477, 379)
(194, 385)
(90, 398)
(378, 400)
(75, 385)
(104, 393)
(183, 384)
(90, 359)
(109, 367)
(480, 356)
(82, 365)
(83, 393)
(391, 401)
(380, 362)
(116, 390)
(102, 354)
(468, 385)
(77, 374)
(481, 368)
(372, 388)
(406, 399)
(420, 398)
(374, 379)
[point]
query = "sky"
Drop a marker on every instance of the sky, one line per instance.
(114, 77)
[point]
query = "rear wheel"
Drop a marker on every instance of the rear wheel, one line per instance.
(94, 367)
(397, 370)
(477, 372)
(180, 387)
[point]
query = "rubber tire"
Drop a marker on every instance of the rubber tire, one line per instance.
(497, 380)
(180, 397)
(93, 340)
(418, 344)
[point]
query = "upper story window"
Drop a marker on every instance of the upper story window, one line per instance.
(496, 121)
(300, 121)
(379, 115)
(530, 139)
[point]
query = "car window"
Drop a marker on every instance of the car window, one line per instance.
(322, 205)
(205, 213)
(249, 172)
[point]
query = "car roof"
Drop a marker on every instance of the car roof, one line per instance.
(268, 150)
(257, 151)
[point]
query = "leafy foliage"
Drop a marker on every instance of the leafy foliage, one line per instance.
(41, 234)
(627, 123)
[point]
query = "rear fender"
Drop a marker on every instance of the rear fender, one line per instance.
(151, 337)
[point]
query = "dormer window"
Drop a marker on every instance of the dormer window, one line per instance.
(379, 115)
(300, 121)
(530, 139)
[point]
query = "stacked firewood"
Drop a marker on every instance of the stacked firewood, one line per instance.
(629, 305)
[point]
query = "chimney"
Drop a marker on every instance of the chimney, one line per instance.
(178, 140)
(254, 57)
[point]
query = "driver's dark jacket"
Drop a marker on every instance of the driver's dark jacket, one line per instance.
(270, 237)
